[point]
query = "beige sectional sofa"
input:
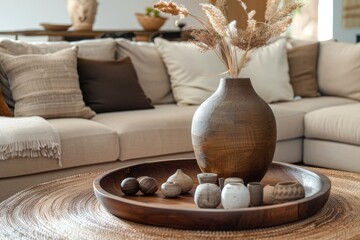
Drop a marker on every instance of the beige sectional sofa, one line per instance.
(321, 131)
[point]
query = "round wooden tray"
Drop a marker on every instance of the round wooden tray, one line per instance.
(182, 212)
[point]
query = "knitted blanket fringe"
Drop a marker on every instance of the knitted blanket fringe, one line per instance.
(39, 139)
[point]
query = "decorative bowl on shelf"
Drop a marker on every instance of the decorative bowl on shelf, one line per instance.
(55, 27)
(150, 23)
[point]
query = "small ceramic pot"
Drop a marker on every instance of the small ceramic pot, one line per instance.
(184, 180)
(256, 193)
(207, 178)
(170, 189)
(207, 195)
(235, 195)
(148, 185)
(268, 194)
(233, 180)
(221, 183)
(129, 186)
(287, 192)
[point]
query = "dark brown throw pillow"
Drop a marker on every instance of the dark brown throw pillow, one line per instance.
(110, 86)
(4, 109)
(303, 70)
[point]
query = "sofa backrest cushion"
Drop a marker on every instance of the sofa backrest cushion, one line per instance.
(195, 76)
(303, 69)
(339, 69)
(46, 85)
(110, 86)
(100, 49)
(150, 69)
(4, 109)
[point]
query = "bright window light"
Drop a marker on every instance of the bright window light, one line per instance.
(325, 20)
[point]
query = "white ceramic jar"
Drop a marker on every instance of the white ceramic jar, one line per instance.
(207, 195)
(235, 195)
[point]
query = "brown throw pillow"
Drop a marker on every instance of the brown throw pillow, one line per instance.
(303, 70)
(46, 85)
(4, 109)
(110, 86)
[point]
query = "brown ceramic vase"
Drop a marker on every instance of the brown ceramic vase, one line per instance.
(234, 132)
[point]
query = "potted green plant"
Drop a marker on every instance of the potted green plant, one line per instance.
(151, 19)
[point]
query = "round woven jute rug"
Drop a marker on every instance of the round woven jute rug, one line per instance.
(67, 209)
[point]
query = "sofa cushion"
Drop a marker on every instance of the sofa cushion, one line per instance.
(99, 49)
(154, 132)
(83, 142)
(110, 86)
(167, 129)
(195, 76)
(338, 124)
(46, 85)
(150, 69)
(289, 122)
(310, 104)
(339, 69)
(303, 70)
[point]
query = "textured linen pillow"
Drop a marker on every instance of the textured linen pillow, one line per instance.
(150, 69)
(193, 75)
(99, 49)
(4, 109)
(111, 86)
(268, 70)
(46, 85)
(339, 69)
(303, 69)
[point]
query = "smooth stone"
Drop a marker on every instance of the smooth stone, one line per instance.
(148, 185)
(129, 186)
(268, 194)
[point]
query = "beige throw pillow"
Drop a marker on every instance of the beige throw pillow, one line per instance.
(46, 85)
(339, 69)
(98, 49)
(150, 69)
(195, 75)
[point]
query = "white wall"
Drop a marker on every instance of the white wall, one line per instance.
(112, 14)
(340, 33)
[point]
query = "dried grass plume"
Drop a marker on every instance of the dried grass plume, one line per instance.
(225, 38)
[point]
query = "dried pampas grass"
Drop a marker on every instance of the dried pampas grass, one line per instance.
(225, 38)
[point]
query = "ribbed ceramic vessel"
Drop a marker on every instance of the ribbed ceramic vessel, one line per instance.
(234, 132)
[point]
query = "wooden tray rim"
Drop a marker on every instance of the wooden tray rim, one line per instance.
(326, 187)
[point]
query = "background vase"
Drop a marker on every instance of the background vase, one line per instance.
(234, 132)
(82, 13)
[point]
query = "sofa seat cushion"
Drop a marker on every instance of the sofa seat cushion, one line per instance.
(289, 122)
(83, 142)
(154, 132)
(338, 124)
(310, 104)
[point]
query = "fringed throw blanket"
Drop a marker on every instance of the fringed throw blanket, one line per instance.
(28, 137)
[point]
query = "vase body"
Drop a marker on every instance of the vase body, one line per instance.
(234, 132)
(82, 14)
(287, 192)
